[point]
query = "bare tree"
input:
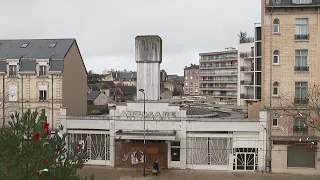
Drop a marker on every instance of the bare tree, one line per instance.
(2, 99)
(304, 109)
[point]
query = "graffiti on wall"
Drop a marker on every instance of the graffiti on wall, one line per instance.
(137, 157)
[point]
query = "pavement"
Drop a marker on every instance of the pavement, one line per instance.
(108, 173)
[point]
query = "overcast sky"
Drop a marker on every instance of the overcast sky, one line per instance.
(105, 29)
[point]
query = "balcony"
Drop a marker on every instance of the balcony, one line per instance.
(301, 37)
(301, 68)
(246, 96)
(247, 55)
(12, 73)
(246, 68)
(246, 82)
(219, 87)
(219, 66)
(217, 81)
(301, 101)
(220, 95)
(300, 129)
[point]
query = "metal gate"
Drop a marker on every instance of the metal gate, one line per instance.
(209, 151)
(95, 143)
(246, 159)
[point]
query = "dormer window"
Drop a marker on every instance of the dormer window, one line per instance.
(42, 69)
(52, 45)
(24, 45)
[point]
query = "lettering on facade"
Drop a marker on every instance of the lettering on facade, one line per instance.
(149, 114)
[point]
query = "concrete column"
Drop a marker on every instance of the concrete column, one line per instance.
(112, 143)
(183, 144)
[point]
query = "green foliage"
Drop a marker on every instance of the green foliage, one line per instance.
(93, 77)
(30, 151)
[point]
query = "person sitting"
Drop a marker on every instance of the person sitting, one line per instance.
(156, 166)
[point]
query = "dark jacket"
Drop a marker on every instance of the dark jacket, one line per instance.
(156, 165)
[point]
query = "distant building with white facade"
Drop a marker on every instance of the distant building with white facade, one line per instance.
(178, 137)
(249, 69)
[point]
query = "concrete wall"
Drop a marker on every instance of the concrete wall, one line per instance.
(74, 83)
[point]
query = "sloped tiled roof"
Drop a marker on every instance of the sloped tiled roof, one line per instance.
(105, 85)
(124, 76)
(28, 50)
(93, 95)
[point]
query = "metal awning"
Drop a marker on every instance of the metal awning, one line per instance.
(149, 134)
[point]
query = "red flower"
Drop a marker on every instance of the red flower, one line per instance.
(47, 132)
(291, 129)
(315, 119)
(56, 149)
(288, 114)
(78, 146)
(45, 161)
(36, 136)
(46, 126)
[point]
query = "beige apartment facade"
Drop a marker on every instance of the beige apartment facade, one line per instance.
(191, 80)
(291, 52)
(42, 75)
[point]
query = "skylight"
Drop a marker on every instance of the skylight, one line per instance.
(52, 45)
(24, 45)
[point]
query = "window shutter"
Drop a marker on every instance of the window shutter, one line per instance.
(43, 88)
(13, 92)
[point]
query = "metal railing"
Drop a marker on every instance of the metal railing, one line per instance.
(247, 54)
(217, 87)
(301, 68)
(301, 37)
(298, 101)
(246, 96)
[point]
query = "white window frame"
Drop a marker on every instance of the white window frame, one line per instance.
(12, 73)
(276, 55)
(276, 22)
(41, 90)
(275, 87)
(275, 126)
(301, 1)
(43, 67)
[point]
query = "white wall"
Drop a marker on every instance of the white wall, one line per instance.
(244, 47)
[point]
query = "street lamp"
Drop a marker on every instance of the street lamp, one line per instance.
(144, 132)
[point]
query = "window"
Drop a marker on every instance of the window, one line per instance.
(191, 83)
(301, 1)
(42, 70)
(175, 151)
(299, 125)
(275, 122)
(186, 77)
(12, 70)
(43, 115)
(186, 84)
(276, 57)
(196, 91)
(42, 93)
(191, 77)
(275, 91)
(24, 45)
(276, 26)
(52, 45)
(301, 60)
(13, 92)
(301, 93)
(302, 29)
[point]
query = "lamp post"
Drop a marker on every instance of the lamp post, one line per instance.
(144, 132)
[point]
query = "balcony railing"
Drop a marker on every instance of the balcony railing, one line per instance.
(246, 68)
(247, 54)
(301, 37)
(246, 82)
(12, 73)
(246, 96)
(218, 81)
(301, 101)
(219, 66)
(301, 68)
(300, 129)
(217, 87)
(222, 95)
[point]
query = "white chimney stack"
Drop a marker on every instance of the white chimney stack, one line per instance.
(148, 59)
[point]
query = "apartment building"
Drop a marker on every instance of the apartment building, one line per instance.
(42, 74)
(249, 68)
(291, 53)
(218, 75)
(191, 82)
